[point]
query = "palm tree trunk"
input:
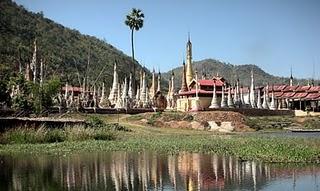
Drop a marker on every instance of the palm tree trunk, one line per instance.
(132, 47)
(134, 67)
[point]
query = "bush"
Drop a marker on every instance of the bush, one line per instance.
(78, 133)
(116, 127)
(103, 134)
(55, 135)
(24, 135)
(153, 118)
(95, 122)
(188, 117)
(45, 135)
(312, 123)
(42, 97)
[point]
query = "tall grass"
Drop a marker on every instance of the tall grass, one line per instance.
(42, 134)
(96, 129)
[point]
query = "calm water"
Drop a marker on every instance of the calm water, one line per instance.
(150, 171)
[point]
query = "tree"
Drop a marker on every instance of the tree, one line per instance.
(31, 97)
(134, 21)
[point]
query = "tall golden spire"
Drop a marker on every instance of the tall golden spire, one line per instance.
(184, 87)
(189, 72)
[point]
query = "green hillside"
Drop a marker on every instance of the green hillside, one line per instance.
(231, 72)
(65, 51)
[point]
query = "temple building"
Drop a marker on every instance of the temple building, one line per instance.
(295, 97)
(201, 91)
(213, 93)
(197, 94)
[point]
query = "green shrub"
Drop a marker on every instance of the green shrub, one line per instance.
(104, 134)
(152, 119)
(78, 133)
(188, 117)
(253, 123)
(312, 123)
(135, 117)
(45, 135)
(24, 135)
(116, 127)
(55, 135)
(95, 122)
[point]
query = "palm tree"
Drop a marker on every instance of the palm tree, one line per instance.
(134, 21)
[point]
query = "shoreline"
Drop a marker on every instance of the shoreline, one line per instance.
(171, 141)
(251, 145)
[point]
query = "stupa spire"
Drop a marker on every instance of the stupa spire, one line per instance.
(114, 90)
(214, 101)
(172, 83)
(41, 72)
(259, 105)
(189, 70)
(184, 87)
(230, 100)
(143, 88)
(159, 81)
(272, 104)
(169, 87)
(33, 65)
(153, 85)
(241, 96)
(265, 101)
(223, 99)
(125, 93)
(252, 93)
(130, 91)
(291, 77)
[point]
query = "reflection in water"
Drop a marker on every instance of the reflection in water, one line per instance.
(150, 171)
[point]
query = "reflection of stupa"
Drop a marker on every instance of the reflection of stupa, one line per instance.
(145, 171)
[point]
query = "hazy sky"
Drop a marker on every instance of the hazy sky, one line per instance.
(273, 34)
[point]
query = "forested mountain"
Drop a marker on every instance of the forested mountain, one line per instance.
(71, 55)
(210, 67)
(66, 52)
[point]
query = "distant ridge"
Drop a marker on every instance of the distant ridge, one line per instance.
(230, 72)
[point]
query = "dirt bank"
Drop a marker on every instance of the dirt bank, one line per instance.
(191, 120)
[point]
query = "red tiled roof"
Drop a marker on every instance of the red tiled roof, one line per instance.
(290, 88)
(275, 88)
(287, 94)
(276, 94)
(314, 89)
(278, 87)
(302, 88)
(299, 95)
(210, 82)
(193, 92)
(312, 96)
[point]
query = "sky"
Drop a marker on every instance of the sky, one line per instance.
(272, 34)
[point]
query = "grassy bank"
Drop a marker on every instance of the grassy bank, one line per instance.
(44, 135)
(96, 129)
(165, 140)
(281, 122)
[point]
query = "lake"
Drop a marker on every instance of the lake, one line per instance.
(151, 171)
